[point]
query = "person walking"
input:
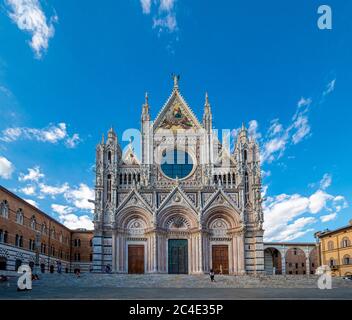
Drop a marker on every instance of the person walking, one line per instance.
(212, 275)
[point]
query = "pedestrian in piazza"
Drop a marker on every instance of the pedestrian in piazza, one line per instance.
(212, 275)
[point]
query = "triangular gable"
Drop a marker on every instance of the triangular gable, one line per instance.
(220, 198)
(136, 200)
(176, 115)
(177, 197)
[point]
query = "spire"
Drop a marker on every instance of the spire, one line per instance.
(176, 79)
(111, 133)
(102, 139)
(207, 104)
(145, 109)
(207, 116)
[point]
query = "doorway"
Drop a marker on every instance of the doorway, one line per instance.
(136, 259)
(178, 256)
(220, 258)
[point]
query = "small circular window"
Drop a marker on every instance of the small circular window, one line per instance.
(176, 164)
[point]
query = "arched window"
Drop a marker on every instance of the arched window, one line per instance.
(21, 241)
(1, 235)
(109, 156)
(17, 240)
(347, 259)
(245, 155)
(4, 209)
(345, 242)
(6, 237)
(332, 262)
(43, 228)
(330, 245)
(246, 187)
(19, 216)
(33, 223)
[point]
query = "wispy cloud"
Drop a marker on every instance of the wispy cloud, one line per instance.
(163, 12)
(51, 134)
(328, 217)
(29, 16)
(33, 174)
(330, 87)
(278, 138)
(326, 181)
(6, 168)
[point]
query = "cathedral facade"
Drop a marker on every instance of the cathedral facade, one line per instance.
(185, 204)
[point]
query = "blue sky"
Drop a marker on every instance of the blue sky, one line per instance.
(69, 70)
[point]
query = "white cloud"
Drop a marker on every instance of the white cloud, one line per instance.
(32, 202)
(73, 141)
(317, 201)
(79, 197)
(61, 209)
(325, 182)
(146, 5)
(304, 102)
(28, 191)
(253, 130)
(163, 12)
(6, 168)
(51, 134)
(34, 174)
(167, 22)
(328, 217)
(52, 190)
(330, 87)
(277, 138)
(29, 16)
(283, 214)
(73, 222)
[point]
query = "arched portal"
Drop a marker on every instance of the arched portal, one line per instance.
(224, 241)
(296, 261)
(272, 261)
(132, 244)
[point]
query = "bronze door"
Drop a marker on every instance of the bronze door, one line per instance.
(178, 256)
(135, 259)
(220, 256)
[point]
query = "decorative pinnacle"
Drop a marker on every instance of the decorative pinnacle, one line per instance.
(206, 99)
(176, 79)
(102, 139)
(146, 99)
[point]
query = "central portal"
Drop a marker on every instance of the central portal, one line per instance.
(178, 256)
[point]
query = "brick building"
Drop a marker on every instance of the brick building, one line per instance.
(28, 235)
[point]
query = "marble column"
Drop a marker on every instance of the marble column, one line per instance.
(283, 262)
(240, 254)
(113, 252)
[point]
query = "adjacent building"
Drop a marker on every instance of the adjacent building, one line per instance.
(28, 235)
(335, 249)
(291, 258)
